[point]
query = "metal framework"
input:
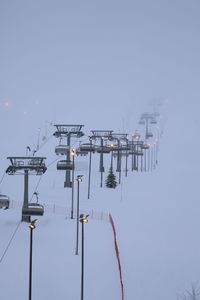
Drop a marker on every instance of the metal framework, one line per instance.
(67, 131)
(20, 164)
(27, 166)
(101, 135)
(64, 130)
(119, 138)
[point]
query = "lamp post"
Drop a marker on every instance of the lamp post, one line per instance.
(73, 152)
(78, 179)
(32, 227)
(83, 220)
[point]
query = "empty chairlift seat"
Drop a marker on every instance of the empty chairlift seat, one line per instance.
(141, 122)
(61, 149)
(33, 209)
(145, 146)
(4, 201)
(153, 121)
(81, 152)
(64, 165)
(149, 135)
(104, 149)
(87, 147)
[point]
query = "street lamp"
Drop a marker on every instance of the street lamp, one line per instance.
(83, 220)
(73, 152)
(78, 179)
(32, 227)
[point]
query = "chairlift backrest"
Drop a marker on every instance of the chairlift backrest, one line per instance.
(64, 165)
(33, 209)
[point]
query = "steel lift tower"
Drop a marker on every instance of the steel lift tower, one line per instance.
(27, 166)
(67, 132)
(120, 138)
(102, 135)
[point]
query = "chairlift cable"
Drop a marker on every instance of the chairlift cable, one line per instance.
(35, 190)
(9, 243)
(2, 177)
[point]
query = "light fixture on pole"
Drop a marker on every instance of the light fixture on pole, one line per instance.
(73, 152)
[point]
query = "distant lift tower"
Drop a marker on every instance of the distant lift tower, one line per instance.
(119, 138)
(67, 132)
(102, 135)
(27, 166)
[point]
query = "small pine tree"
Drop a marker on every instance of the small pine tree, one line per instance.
(111, 180)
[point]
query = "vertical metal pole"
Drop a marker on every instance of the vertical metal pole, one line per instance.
(120, 166)
(30, 264)
(77, 219)
(149, 158)
(90, 166)
(126, 171)
(67, 174)
(157, 145)
(118, 156)
(145, 160)
(25, 204)
(72, 204)
(132, 149)
(147, 129)
(101, 163)
(82, 264)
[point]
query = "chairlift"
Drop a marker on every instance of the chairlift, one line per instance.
(33, 209)
(64, 165)
(137, 153)
(35, 162)
(87, 147)
(149, 135)
(4, 201)
(120, 148)
(141, 122)
(68, 184)
(104, 149)
(145, 146)
(62, 149)
(81, 152)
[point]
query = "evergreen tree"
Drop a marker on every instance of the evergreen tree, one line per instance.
(111, 180)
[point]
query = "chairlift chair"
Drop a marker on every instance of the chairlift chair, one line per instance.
(33, 209)
(87, 147)
(145, 146)
(104, 149)
(149, 135)
(153, 121)
(61, 149)
(141, 122)
(81, 152)
(64, 165)
(4, 201)
(137, 153)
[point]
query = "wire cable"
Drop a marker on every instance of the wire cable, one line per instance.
(2, 177)
(9, 243)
